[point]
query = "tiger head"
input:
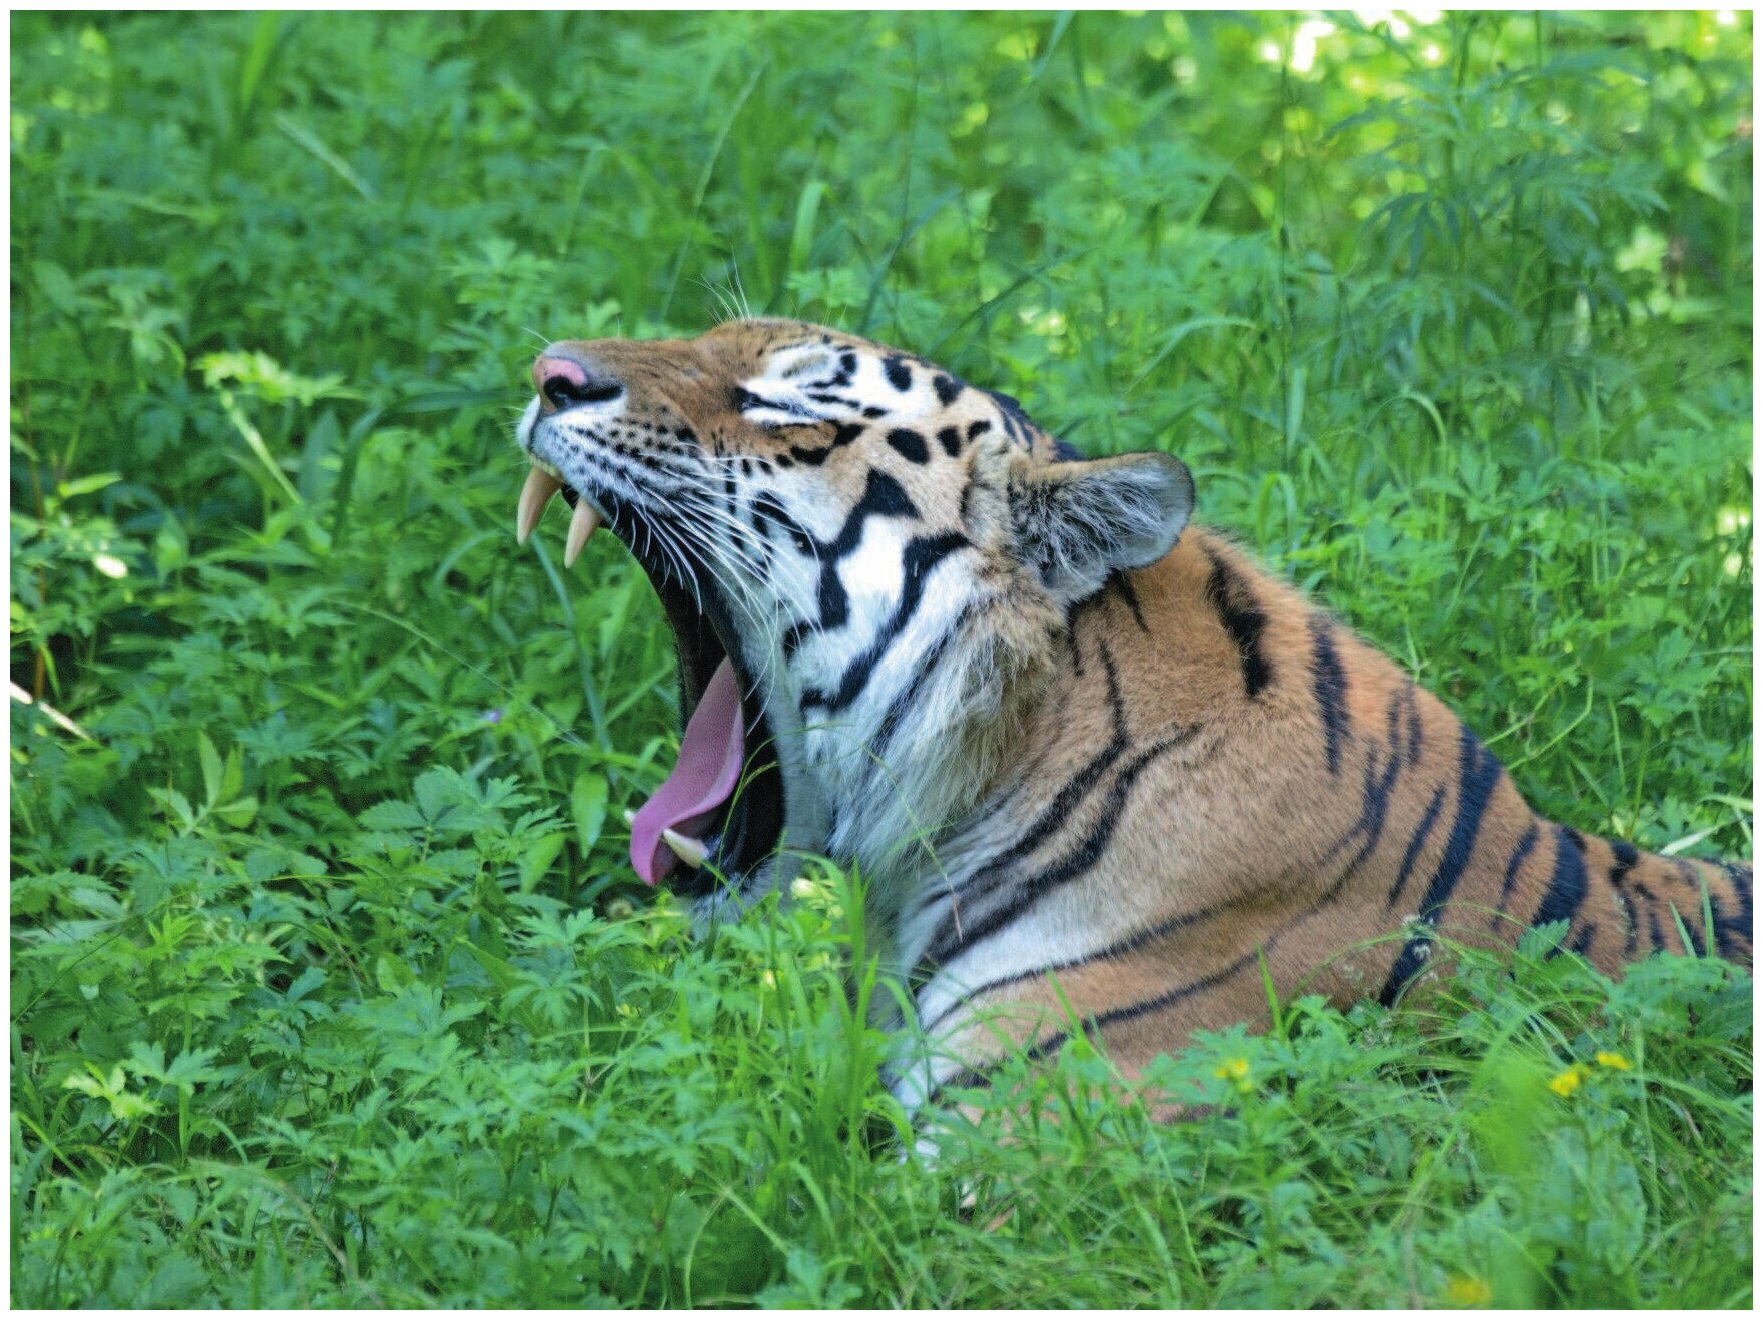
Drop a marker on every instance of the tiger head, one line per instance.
(866, 564)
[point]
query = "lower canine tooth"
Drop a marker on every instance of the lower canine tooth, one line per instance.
(689, 851)
(581, 526)
(534, 496)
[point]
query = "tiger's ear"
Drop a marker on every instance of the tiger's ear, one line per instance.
(1078, 522)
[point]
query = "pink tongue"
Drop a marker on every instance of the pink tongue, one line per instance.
(709, 766)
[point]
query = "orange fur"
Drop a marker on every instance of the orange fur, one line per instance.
(1261, 875)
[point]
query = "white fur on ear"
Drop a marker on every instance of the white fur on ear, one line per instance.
(1078, 522)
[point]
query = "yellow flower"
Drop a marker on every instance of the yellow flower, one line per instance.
(1462, 1291)
(1238, 1068)
(1609, 1059)
(1566, 1083)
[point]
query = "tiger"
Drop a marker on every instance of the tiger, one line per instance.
(1100, 772)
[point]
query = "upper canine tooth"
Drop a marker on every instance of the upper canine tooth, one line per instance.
(581, 526)
(534, 496)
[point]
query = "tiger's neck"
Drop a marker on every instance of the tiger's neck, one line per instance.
(1134, 680)
(946, 773)
(931, 736)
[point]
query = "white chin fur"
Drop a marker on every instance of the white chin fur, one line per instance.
(529, 418)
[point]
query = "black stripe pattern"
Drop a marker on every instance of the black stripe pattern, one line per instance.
(1416, 842)
(1567, 883)
(1243, 618)
(1383, 765)
(1048, 1046)
(883, 497)
(1732, 930)
(1477, 775)
(1626, 855)
(1070, 794)
(1118, 949)
(1003, 890)
(1514, 864)
(922, 554)
(1076, 863)
(1330, 682)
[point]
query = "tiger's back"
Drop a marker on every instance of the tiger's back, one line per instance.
(1227, 776)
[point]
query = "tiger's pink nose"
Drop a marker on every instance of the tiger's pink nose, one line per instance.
(563, 382)
(548, 369)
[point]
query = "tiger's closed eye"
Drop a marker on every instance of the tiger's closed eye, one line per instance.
(778, 407)
(805, 364)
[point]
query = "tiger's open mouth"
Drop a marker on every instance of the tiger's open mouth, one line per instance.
(721, 810)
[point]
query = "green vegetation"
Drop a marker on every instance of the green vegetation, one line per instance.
(330, 982)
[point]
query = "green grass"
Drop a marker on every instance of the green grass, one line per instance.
(330, 982)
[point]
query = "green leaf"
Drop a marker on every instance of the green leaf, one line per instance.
(392, 974)
(321, 439)
(77, 486)
(437, 790)
(213, 773)
(232, 778)
(392, 816)
(802, 231)
(240, 813)
(57, 288)
(587, 809)
(536, 859)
